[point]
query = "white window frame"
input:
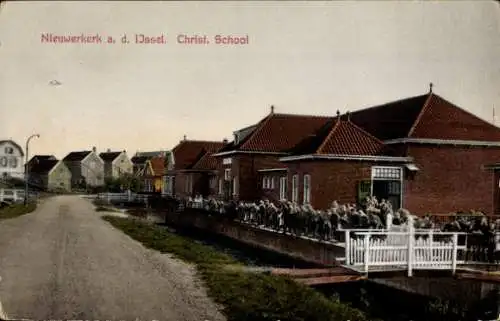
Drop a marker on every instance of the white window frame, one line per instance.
(227, 174)
(295, 188)
(379, 169)
(307, 189)
(148, 185)
(169, 185)
(220, 186)
(235, 185)
(265, 182)
(283, 182)
(272, 182)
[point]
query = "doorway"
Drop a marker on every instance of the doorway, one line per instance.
(387, 184)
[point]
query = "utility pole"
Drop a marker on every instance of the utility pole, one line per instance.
(26, 169)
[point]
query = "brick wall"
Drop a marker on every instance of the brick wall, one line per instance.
(273, 192)
(451, 179)
(245, 167)
(330, 180)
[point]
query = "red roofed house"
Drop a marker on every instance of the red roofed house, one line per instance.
(192, 168)
(152, 174)
(250, 168)
(422, 153)
(429, 156)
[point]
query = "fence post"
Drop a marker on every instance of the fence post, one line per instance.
(367, 252)
(108, 197)
(388, 221)
(454, 254)
(129, 196)
(347, 247)
(1, 194)
(411, 240)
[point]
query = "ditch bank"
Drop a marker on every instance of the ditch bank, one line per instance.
(469, 296)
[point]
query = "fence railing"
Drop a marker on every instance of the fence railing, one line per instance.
(123, 197)
(442, 219)
(14, 195)
(410, 250)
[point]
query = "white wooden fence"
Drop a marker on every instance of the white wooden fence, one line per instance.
(11, 195)
(395, 250)
(123, 197)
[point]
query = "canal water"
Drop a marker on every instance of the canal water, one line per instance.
(377, 300)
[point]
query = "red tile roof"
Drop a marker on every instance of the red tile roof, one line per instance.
(281, 132)
(158, 165)
(440, 119)
(391, 120)
(345, 138)
(424, 116)
(187, 152)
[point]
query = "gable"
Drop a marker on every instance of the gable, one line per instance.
(60, 169)
(148, 170)
(440, 119)
(93, 158)
(7, 146)
(122, 159)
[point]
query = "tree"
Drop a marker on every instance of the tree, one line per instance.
(124, 182)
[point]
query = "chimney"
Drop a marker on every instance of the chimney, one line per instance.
(94, 149)
(109, 150)
(338, 115)
(348, 114)
(185, 137)
(430, 87)
(224, 141)
(272, 109)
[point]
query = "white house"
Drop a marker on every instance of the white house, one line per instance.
(11, 159)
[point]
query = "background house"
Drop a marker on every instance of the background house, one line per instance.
(116, 164)
(87, 168)
(50, 174)
(152, 175)
(11, 160)
(38, 158)
(192, 169)
(140, 158)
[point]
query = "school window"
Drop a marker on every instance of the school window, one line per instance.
(272, 182)
(295, 188)
(283, 183)
(235, 186)
(227, 174)
(265, 182)
(213, 182)
(220, 186)
(307, 189)
(9, 150)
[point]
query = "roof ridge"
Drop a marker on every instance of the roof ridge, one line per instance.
(334, 128)
(389, 103)
(303, 115)
(260, 126)
(366, 133)
(421, 113)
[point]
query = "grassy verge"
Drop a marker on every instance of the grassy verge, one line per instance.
(16, 210)
(244, 296)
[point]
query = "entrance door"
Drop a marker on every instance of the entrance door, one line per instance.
(388, 190)
(228, 190)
